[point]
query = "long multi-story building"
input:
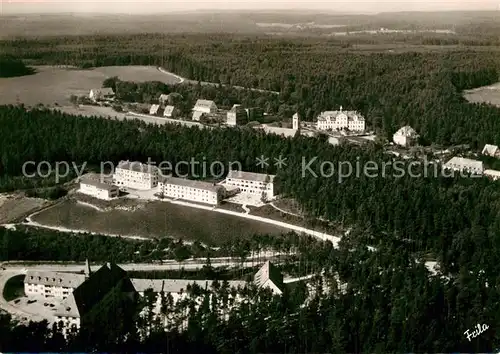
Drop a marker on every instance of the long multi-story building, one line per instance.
(195, 191)
(464, 164)
(252, 183)
(338, 120)
(95, 186)
(136, 175)
(51, 284)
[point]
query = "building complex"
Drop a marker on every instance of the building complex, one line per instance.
(95, 186)
(80, 294)
(405, 136)
(463, 164)
(136, 175)
(252, 183)
(341, 120)
(196, 191)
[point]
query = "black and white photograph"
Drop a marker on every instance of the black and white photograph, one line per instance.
(249, 177)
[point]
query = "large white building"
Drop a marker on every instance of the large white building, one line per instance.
(101, 94)
(195, 191)
(338, 120)
(205, 106)
(252, 183)
(136, 175)
(58, 285)
(95, 186)
(405, 136)
(80, 293)
(463, 164)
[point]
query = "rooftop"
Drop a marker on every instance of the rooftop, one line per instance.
(407, 131)
(465, 163)
(269, 272)
(204, 103)
(490, 149)
(250, 176)
(136, 166)
(169, 110)
(104, 91)
(351, 115)
(192, 184)
(176, 285)
(60, 279)
(96, 180)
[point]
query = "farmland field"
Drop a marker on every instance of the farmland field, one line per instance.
(155, 219)
(51, 85)
(486, 94)
(15, 207)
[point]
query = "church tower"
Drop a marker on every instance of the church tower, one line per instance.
(296, 122)
(87, 268)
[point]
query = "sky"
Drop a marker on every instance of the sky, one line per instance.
(151, 6)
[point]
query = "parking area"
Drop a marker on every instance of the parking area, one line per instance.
(37, 306)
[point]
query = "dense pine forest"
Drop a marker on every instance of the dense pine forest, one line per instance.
(421, 88)
(391, 303)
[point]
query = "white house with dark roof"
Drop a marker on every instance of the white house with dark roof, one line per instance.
(464, 164)
(195, 191)
(405, 136)
(205, 106)
(333, 120)
(252, 183)
(95, 186)
(101, 94)
(136, 175)
(491, 150)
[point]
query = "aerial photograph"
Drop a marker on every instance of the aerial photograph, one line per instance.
(236, 177)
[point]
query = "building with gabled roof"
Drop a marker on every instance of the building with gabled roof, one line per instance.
(406, 136)
(154, 109)
(164, 99)
(492, 174)
(195, 191)
(252, 183)
(84, 298)
(337, 120)
(205, 106)
(464, 164)
(491, 150)
(95, 186)
(269, 276)
(136, 175)
(237, 116)
(46, 284)
(99, 94)
(170, 112)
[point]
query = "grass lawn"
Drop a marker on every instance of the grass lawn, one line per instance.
(14, 288)
(156, 219)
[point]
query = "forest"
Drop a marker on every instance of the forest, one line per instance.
(10, 67)
(391, 303)
(421, 88)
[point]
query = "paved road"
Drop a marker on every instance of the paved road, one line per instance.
(9, 270)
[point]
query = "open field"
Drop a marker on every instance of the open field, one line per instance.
(13, 208)
(51, 85)
(156, 219)
(486, 94)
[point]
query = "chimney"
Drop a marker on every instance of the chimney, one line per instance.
(341, 108)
